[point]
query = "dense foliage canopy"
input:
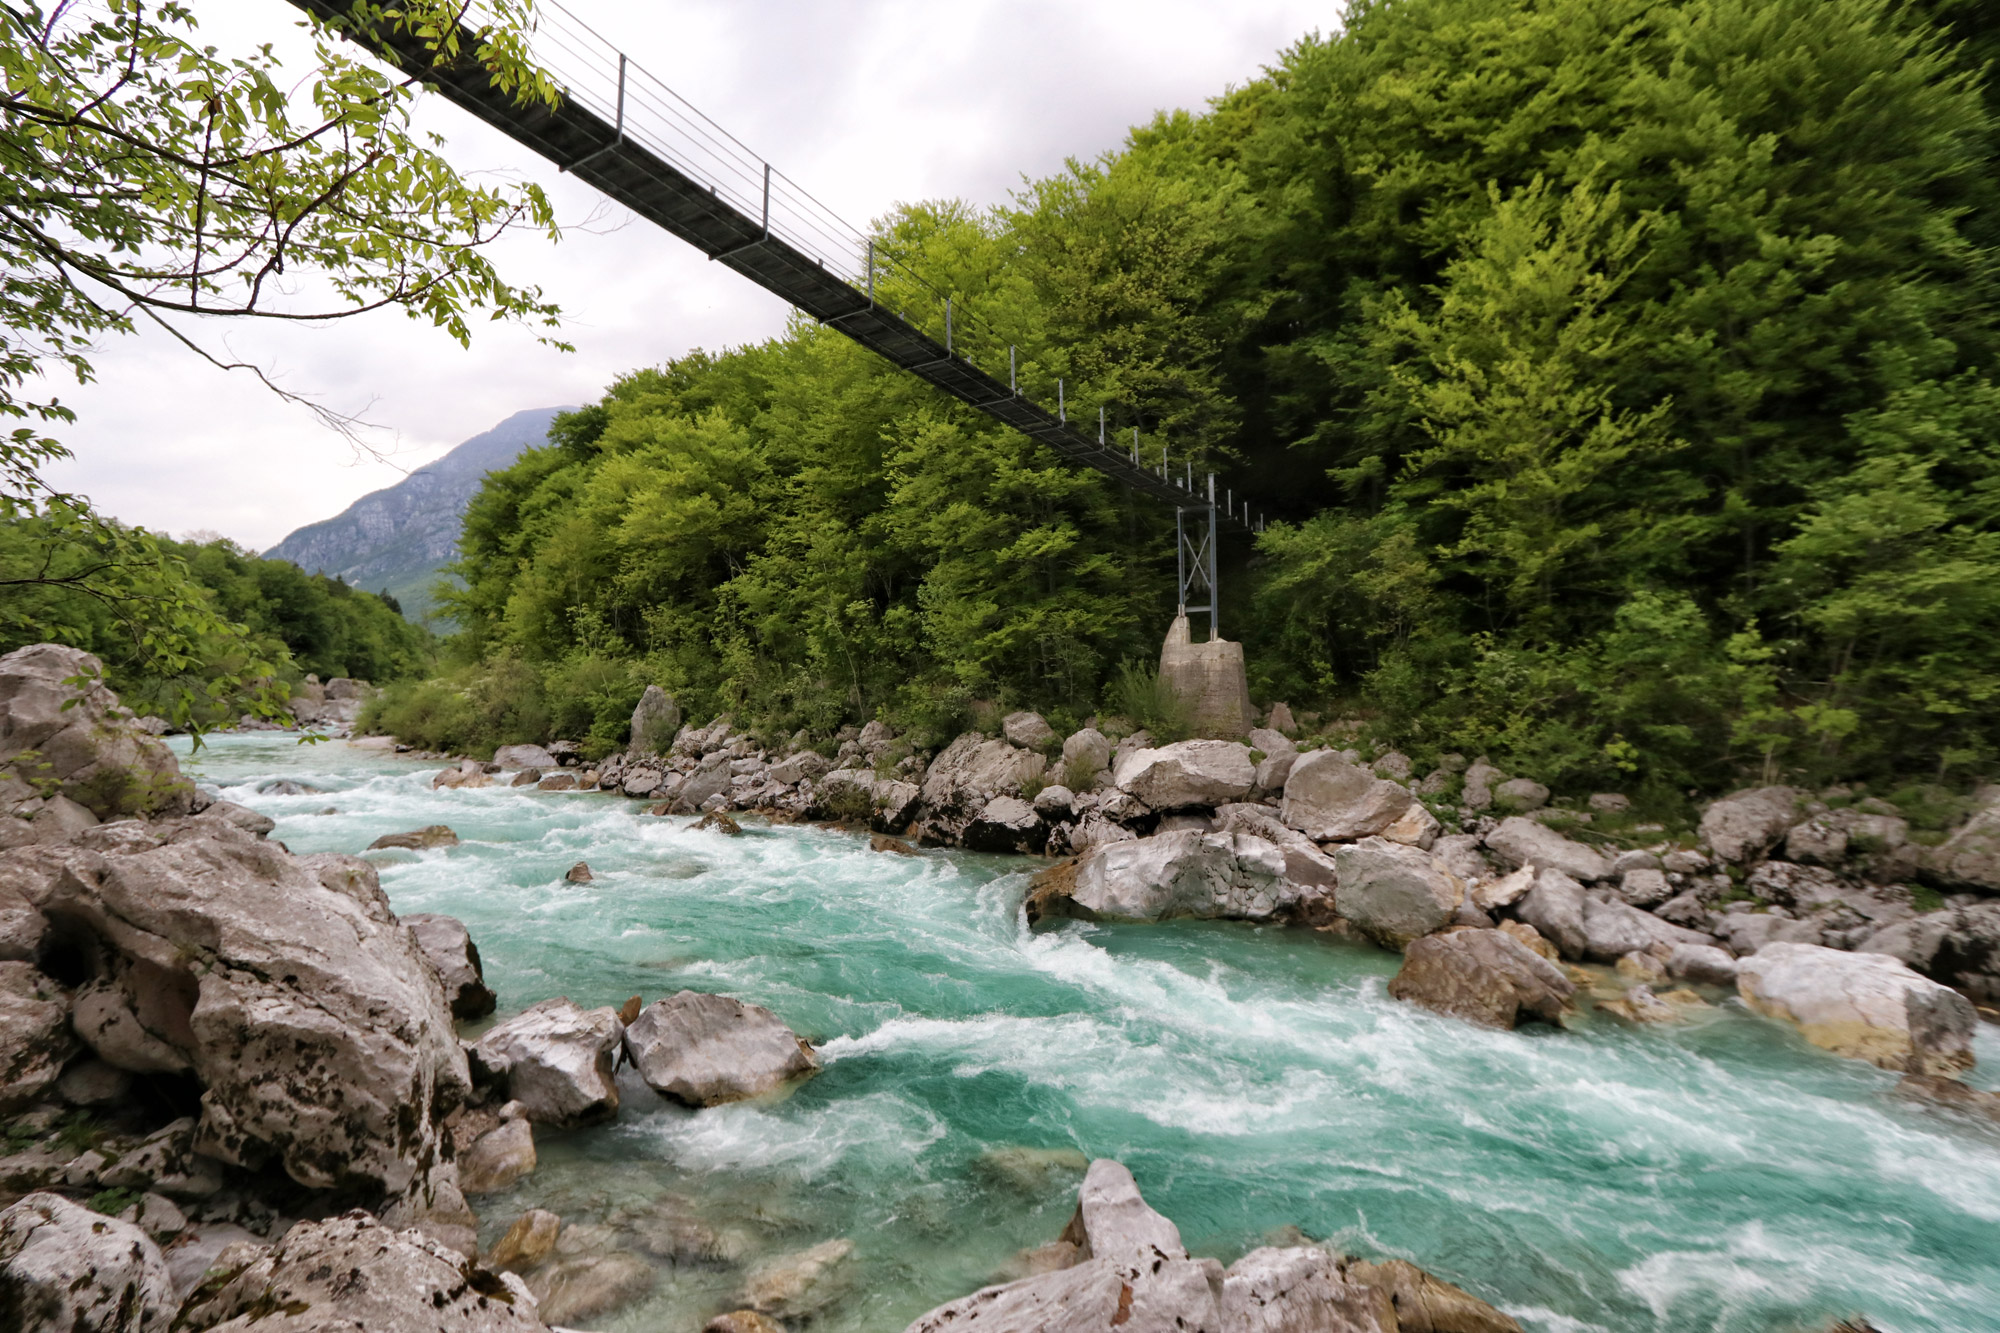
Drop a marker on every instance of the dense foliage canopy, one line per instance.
(1622, 372)
(146, 178)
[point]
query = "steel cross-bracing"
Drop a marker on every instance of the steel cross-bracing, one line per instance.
(628, 135)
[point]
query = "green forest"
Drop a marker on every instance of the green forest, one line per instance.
(288, 623)
(1619, 378)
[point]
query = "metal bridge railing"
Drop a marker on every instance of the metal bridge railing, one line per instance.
(592, 72)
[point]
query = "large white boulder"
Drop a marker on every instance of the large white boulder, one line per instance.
(66, 1269)
(1187, 774)
(705, 1050)
(1746, 824)
(1971, 855)
(1030, 731)
(353, 1273)
(1555, 907)
(1305, 864)
(1331, 800)
(555, 1058)
(1866, 1005)
(1186, 873)
(963, 780)
(1521, 841)
(35, 1037)
(1394, 894)
(513, 757)
(307, 1013)
(655, 721)
(1612, 929)
(78, 740)
(1301, 1289)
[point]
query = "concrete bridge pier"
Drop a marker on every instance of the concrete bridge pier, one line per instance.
(1208, 678)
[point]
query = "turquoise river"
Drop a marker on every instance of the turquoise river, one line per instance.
(1720, 1176)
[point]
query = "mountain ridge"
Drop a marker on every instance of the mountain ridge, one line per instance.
(399, 538)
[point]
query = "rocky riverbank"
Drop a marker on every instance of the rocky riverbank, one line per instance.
(233, 1078)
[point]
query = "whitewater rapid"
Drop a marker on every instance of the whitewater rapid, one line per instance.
(1717, 1176)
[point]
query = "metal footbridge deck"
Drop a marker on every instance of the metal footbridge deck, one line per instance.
(624, 132)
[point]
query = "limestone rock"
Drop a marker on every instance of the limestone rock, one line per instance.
(710, 778)
(579, 874)
(557, 782)
(1305, 864)
(1415, 827)
(1187, 775)
(1555, 908)
(1394, 894)
(1949, 1092)
(1504, 891)
(352, 1272)
(35, 1037)
(1427, 1304)
(742, 1321)
(1958, 946)
(705, 1050)
(1645, 887)
(1330, 799)
(1520, 795)
(94, 751)
(92, 1083)
(793, 1286)
(1482, 976)
(512, 758)
(1030, 731)
(1746, 824)
(1869, 1006)
(961, 781)
(1969, 858)
(423, 839)
(1112, 1220)
(655, 721)
(531, 1239)
(216, 953)
(1300, 1289)
(1521, 841)
(1182, 874)
(1703, 963)
(1612, 929)
(500, 1157)
(1480, 779)
(795, 769)
(65, 1269)
(449, 949)
(1088, 750)
(1055, 802)
(556, 1059)
(1006, 824)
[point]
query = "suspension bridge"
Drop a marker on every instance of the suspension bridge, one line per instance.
(624, 132)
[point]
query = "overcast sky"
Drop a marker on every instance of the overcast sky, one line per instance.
(864, 102)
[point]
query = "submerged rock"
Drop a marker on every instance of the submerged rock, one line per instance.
(352, 1272)
(1427, 1304)
(1482, 976)
(1868, 1006)
(417, 840)
(705, 1050)
(794, 1286)
(531, 1239)
(500, 1157)
(556, 1059)
(65, 1269)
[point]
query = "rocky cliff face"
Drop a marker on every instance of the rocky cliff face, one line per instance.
(399, 537)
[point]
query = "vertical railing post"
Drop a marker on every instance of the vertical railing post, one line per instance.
(621, 94)
(1214, 594)
(1013, 385)
(767, 201)
(1062, 408)
(871, 272)
(947, 326)
(1180, 560)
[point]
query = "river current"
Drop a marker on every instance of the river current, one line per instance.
(1720, 1176)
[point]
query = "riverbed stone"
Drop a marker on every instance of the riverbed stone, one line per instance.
(1086, 751)
(1482, 976)
(447, 945)
(1970, 857)
(705, 1050)
(499, 1158)
(556, 1059)
(1188, 774)
(1612, 929)
(1330, 799)
(1744, 825)
(1305, 864)
(351, 1272)
(1006, 824)
(1555, 908)
(1959, 946)
(66, 1269)
(1868, 1006)
(795, 1286)
(1520, 841)
(1703, 963)
(514, 758)
(1520, 795)
(969, 774)
(1187, 873)
(80, 739)
(1300, 1289)
(1030, 731)
(531, 1239)
(1394, 894)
